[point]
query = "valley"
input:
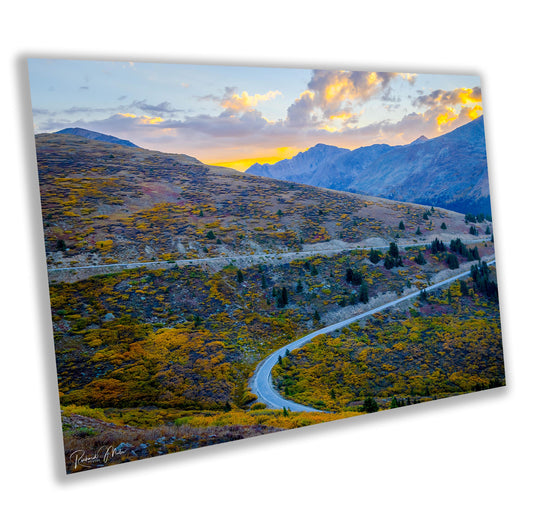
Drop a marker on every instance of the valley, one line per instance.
(171, 281)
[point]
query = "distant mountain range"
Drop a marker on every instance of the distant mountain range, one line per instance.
(449, 171)
(93, 135)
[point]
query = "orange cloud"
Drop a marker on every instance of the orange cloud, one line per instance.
(150, 120)
(244, 101)
(446, 117)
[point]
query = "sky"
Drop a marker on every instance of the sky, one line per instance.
(237, 115)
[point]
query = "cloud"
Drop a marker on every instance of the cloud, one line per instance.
(334, 95)
(244, 101)
(449, 98)
(238, 103)
(164, 107)
(451, 108)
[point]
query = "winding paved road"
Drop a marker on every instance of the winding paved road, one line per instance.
(261, 382)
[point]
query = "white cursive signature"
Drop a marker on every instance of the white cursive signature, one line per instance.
(84, 460)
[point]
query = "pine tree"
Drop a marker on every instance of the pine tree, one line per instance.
(363, 293)
(418, 232)
(393, 250)
(375, 256)
(389, 261)
(401, 225)
(452, 261)
(240, 277)
(349, 275)
(420, 258)
(370, 405)
(284, 296)
(443, 226)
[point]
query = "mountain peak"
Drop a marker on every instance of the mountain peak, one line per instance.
(93, 135)
(420, 139)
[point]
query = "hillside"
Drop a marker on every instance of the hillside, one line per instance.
(153, 360)
(449, 171)
(93, 135)
(105, 203)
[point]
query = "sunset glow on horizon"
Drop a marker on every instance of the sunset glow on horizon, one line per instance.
(237, 116)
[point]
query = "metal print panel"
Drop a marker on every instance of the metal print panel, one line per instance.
(235, 251)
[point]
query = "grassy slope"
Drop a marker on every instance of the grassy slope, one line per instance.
(150, 346)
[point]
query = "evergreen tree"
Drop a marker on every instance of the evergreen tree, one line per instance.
(393, 250)
(240, 277)
(299, 286)
(263, 282)
(418, 232)
(210, 235)
(363, 293)
(375, 256)
(452, 261)
(443, 226)
(394, 403)
(420, 258)
(370, 405)
(197, 321)
(401, 225)
(389, 261)
(349, 275)
(284, 296)
(487, 230)
(437, 246)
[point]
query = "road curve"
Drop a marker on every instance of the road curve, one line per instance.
(261, 382)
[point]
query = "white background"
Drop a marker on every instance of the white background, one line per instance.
(469, 455)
